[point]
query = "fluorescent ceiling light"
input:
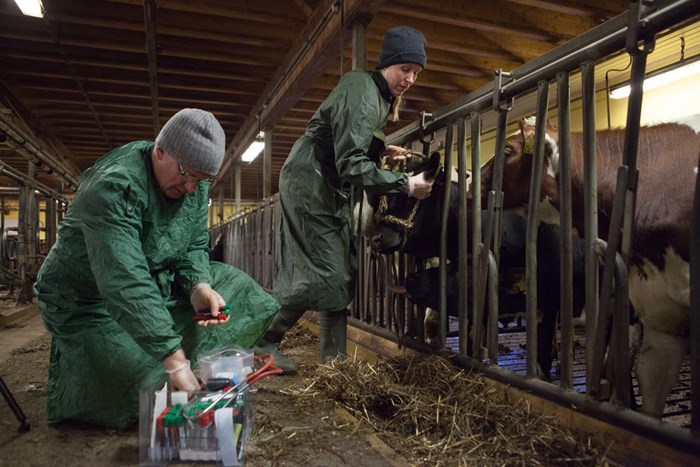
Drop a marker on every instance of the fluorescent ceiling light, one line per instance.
(31, 7)
(253, 151)
(664, 76)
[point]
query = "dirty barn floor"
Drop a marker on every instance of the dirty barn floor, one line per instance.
(287, 432)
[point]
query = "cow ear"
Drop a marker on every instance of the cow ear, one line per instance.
(527, 128)
(433, 163)
(552, 130)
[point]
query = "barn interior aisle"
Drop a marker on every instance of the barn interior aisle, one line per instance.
(565, 185)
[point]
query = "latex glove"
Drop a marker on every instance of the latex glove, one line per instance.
(203, 297)
(393, 155)
(419, 186)
(179, 372)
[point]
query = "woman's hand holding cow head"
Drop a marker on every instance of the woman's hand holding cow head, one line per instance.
(420, 185)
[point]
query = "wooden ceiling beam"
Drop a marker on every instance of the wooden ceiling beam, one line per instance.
(597, 10)
(496, 24)
(316, 47)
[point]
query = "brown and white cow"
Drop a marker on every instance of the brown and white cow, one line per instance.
(659, 287)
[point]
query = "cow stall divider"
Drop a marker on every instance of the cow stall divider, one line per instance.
(381, 307)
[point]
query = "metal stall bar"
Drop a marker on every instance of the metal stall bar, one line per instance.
(492, 236)
(619, 362)
(447, 191)
(267, 229)
(596, 385)
(401, 298)
(492, 328)
(590, 205)
(463, 247)
(532, 225)
(566, 353)
(388, 272)
(475, 188)
(622, 216)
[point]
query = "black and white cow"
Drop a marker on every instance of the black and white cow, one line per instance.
(659, 287)
(423, 287)
(420, 237)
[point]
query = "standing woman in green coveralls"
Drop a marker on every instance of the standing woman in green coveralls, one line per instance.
(131, 266)
(314, 267)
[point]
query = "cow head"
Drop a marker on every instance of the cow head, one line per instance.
(517, 170)
(364, 215)
(406, 224)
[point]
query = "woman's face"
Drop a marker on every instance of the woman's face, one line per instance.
(401, 76)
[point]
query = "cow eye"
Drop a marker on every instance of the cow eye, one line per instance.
(508, 151)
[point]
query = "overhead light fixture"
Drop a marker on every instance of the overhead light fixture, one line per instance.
(255, 148)
(31, 7)
(662, 76)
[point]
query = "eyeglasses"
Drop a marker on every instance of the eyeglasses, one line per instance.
(184, 174)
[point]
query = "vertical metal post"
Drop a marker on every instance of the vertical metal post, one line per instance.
(475, 189)
(532, 225)
(359, 42)
(449, 138)
(590, 208)
(492, 230)
(463, 253)
(566, 353)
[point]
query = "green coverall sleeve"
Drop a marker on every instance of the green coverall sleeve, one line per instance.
(355, 115)
(193, 267)
(111, 225)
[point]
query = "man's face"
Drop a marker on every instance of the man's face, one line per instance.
(173, 178)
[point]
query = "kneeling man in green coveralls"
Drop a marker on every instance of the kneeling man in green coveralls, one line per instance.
(129, 270)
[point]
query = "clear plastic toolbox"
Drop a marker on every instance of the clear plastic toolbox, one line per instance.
(212, 425)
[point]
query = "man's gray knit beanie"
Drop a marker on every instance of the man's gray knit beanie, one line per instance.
(195, 139)
(402, 44)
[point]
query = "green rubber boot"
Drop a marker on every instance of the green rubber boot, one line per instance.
(333, 334)
(270, 342)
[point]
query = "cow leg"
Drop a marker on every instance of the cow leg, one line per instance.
(659, 362)
(545, 342)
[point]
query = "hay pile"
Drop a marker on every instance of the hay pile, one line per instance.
(432, 412)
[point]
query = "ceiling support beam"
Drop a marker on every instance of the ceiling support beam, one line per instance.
(359, 42)
(149, 10)
(25, 181)
(24, 145)
(312, 53)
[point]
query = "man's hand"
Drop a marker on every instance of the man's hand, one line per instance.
(179, 372)
(203, 297)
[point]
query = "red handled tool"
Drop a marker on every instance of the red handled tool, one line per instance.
(205, 314)
(265, 366)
